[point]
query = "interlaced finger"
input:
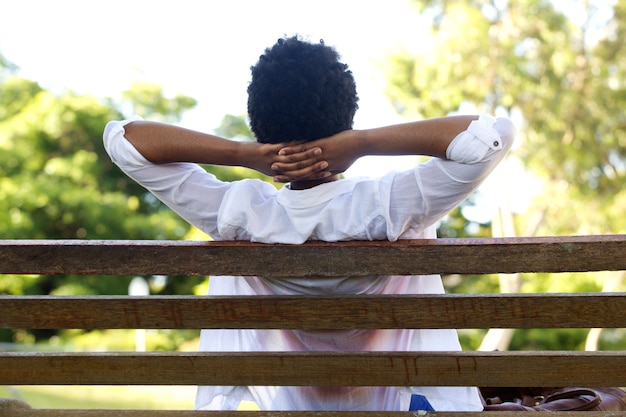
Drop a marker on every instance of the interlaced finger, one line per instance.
(303, 172)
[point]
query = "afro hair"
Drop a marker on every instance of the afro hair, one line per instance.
(300, 91)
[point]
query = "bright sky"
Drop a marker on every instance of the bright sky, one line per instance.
(203, 49)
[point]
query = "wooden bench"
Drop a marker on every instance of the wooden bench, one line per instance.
(445, 256)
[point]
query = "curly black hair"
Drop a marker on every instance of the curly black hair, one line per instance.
(300, 91)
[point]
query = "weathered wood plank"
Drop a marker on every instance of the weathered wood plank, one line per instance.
(315, 259)
(191, 413)
(315, 368)
(586, 310)
(550, 254)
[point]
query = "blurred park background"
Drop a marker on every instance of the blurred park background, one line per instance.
(557, 68)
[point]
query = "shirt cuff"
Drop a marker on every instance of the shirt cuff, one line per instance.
(472, 145)
(121, 151)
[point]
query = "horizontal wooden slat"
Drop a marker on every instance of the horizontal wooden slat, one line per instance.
(193, 413)
(316, 259)
(586, 310)
(315, 368)
(190, 413)
(464, 256)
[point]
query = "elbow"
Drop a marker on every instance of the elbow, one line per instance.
(506, 130)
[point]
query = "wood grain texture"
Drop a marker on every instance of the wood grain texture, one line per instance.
(190, 413)
(584, 310)
(315, 259)
(317, 368)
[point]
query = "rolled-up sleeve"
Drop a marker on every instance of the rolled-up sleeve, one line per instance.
(444, 184)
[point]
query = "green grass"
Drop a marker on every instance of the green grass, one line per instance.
(112, 397)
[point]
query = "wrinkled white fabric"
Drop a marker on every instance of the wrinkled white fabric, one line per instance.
(400, 205)
(472, 151)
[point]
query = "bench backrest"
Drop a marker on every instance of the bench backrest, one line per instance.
(315, 259)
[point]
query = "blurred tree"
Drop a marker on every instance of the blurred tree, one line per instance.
(57, 182)
(563, 74)
(559, 71)
(235, 127)
(149, 101)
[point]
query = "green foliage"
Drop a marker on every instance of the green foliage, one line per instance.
(57, 182)
(458, 224)
(563, 78)
(15, 93)
(148, 100)
(561, 75)
(124, 340)
(549, 339)
(103, 397)
(234, 127)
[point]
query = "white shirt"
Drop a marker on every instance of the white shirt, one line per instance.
(400, 205)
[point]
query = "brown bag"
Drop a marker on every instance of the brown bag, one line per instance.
(554, 399)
